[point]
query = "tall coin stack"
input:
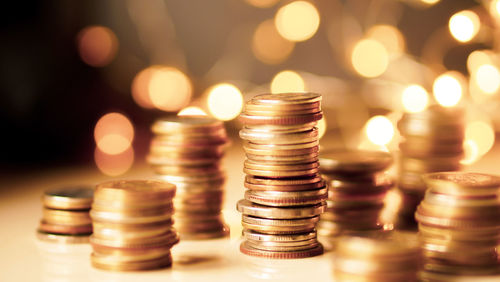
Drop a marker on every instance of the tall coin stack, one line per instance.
(388, 257)
(285, 194)
(433, 142)
(357, 186)
(187, 151)
(132, 222)
(459, 225)
(66, 216)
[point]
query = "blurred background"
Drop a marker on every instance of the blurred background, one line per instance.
(82, 81)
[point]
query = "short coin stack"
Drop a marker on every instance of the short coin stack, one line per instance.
(388, 257)
(285, 194)
(66, 215)
(433, 142)
(132, 222)
(357, 186)
(459, 223)
(187, 151)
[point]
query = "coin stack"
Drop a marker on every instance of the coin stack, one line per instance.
(458, 223)
(357, 186)
(187, 151)
(388, 257)
(66, 215)
(285, 194)
(132, 222)
(433, 142)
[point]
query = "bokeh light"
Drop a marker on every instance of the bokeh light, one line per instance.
(430, 2)
(379, 130)
(389, 36)
(415, 99)
(140, 87)
(495, 8)
(369, 58)
(225, 101)
(297, 21)
(169, 89)
(268, 46)
(447, 90)
(113, 133)
(471, 152)
(97, 45)
(114, 165)
(322, 126)
(488, 78)
(464, 25)
(262, 3)
(482, 134)
(192, 111)
(287, 81)
(478, 58)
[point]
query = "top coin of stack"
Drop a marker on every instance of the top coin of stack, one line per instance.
(391, 256)
(285, 194)
(458, 223)
(433, 142)
(66, 215)
(357, 187)
(132, 222)
(187, 151)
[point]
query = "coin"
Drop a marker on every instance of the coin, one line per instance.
(65, 229)
(249, 234)
(52, 216)
(71, 198)
(248, 208)
(137, 190)
(249, 250)
(286, 98)
(185, 124)
(162, 262)
(274, 198)
(462, 183)
(354, 161)
(62, 238)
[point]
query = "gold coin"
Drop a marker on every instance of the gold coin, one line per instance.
(282, 128)
(125, 233)
(248, 208)
(280, 222)
(272, 167)
(460, 212)
(463, 183)
(460, 235)
(66, 217)
(185, 124)
(283, 246)
(255, 236)
(263, 137)
(278, 147)
(248, 250)
(280, 153)
(454, 223)
(269, 107)
(286, 98)
(70, 198)
(282, 173)
(133, 266)
(275, 198)
(119, 217)
(135, 190)
(467, 202)
(359, 161)
(168, 238)
(64, 228)
(62, 238)
(387, 245)
(275, 112)
(280, 120)
(424, 148)
(430, 164)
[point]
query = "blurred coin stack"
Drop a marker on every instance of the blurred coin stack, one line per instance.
(459, 225)
(132, 223)
(66, 216)
(357, 186)
(433, 142)
(285, 194)
(187, 151)
(394, 257)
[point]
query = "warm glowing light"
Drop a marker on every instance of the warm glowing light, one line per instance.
(495, 7)
(464, 25)
(447, 90)
(287, 81)
(482, 134)
(430, 2)
(297, 21)
(262, 3)
(471, 152)
(114, 165)
(415, 99)
(140, 85)
(268, 46)
(389, 36)
(97, 45)
(225, 101)
(322, 126)
(369, 58)
(169, 89)
(192, 111)
(379, 130)
(113, 133)
(488, 78)
(478, 58)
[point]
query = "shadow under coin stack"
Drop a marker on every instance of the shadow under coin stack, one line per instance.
(389, 257)
(187, 151)
(357, 186)
(132, 223)
(459, 225)
(66, 216)
(285, 194)
(433, 142)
